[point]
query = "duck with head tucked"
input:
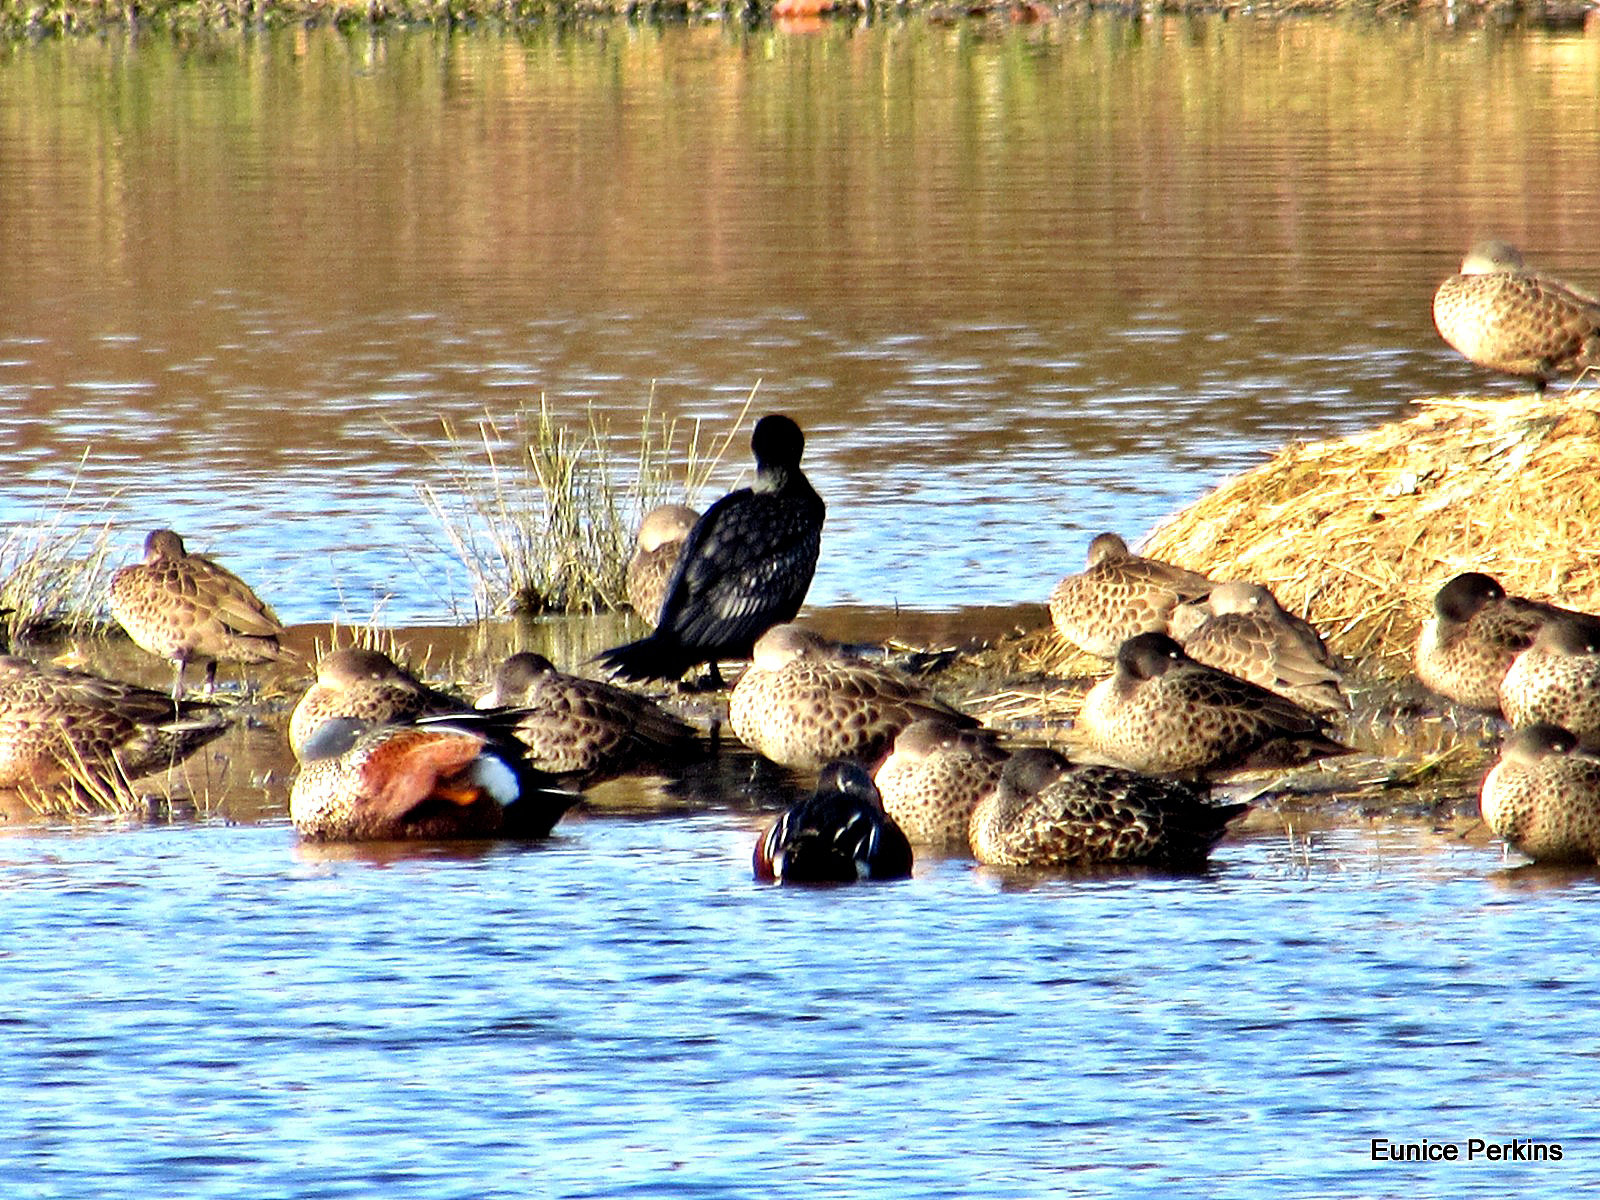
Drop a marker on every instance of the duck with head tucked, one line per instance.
(1241, 628)
(1503, 316)
(65, 730)
(839, 835)
(583, 731)
(457, 776)
(1118, 595)
(657, 545)
(1465, 649)
(805, 701)
(1045, 812)
(1543, 796)
(934, 777)
(360, 687)
(188, 608)
(745, 567)
(1161, 712)
(1556, 680)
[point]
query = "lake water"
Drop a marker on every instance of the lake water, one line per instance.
(1019, 285)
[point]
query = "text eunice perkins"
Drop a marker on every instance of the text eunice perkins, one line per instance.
(1471, 1150)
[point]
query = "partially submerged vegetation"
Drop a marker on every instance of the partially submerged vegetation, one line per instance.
(543, 517)
(54, 573)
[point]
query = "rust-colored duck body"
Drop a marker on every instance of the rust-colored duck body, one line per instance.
(459, 776)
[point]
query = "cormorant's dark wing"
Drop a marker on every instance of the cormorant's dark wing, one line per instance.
(746, 567)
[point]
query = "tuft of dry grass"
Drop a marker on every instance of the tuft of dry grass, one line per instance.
(1358, 533)
(540, 515)
(54, 572)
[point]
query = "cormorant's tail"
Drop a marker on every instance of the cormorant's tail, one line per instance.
(653, 657)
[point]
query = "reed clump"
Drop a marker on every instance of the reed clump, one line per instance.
(1359, 532)
(54, 574)
(542, 515)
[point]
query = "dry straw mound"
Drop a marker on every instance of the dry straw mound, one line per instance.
(1360, 532)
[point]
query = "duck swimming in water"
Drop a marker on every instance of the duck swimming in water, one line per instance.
(839, 835)
(745, 567)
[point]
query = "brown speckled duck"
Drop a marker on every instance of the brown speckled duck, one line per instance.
(460, 776)
(934, 777)
(63, 729)
(839, 835)
(185, 607)
(805, 701)
(1543, 796)
(1241, 628)
(1556, 680)
(1119, 595)
(367, 687)
(583, 731)
(746, 566)
(1503, 316)
(1466, 647)
(661, 536)
(1162, 712)
(1048, 813)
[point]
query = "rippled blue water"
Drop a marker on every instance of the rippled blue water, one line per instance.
(211, 1011)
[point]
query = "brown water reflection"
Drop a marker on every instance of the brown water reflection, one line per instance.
(1018, 285)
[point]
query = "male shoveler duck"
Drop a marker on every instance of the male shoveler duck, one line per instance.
(1241, 628)
(839, 835)
(745, 567)
(1543, 796)
(1119, 595)
(660, 540)
(583, 731)
(1045, 812)
(363, 687)
(934, 777)
(1465, 649)
(70, 729)
(1503, 316)
(1556, 680)
(1162, 712)
(457, 776)
(805, 701)
(186, 607)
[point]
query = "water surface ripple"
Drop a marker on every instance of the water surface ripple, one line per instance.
(622, 1012)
